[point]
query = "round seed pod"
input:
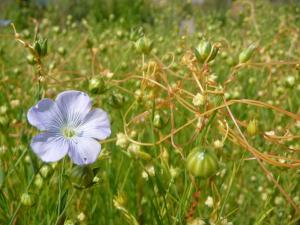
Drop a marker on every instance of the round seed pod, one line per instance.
(62, 51)
(160, 119)
(30, 59)
(116, 100)
(97, 86)
(27, 199)
(202, 163)
(46, 171)
(230, 61)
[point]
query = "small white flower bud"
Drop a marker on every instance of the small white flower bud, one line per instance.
(44, 171)
(15, 103)
(69, 222)
(27, 199)
(218, 144)
(264, 196)
(81, 216)
(38, 181)
(278, 200)
(27, 159)
(198, 100)
(290, 80)
(122, 140)
(149, 171)
(209, 202)
(174, 172)
(133, 134)
(133, 148)
(3, 149)
(3, 109)
(196, 221)
(200, 122)
(96, 179)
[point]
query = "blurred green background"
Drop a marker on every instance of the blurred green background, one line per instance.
(134, 12)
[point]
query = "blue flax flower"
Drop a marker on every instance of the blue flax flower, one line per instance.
(69, 127)
(4, 23)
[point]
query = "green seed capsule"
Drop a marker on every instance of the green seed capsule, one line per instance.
(69, 222)
(205, 51)
(82, 177)
(138, 95)
(37, 47)
(44, 47)
(252, 127)
(144, 45)
(202, 163)
(4, 120)
(247, 53)
(30, 59)
(61, 50)
(97, 86)
(202, 51)
(46, 171)
(120, 34)
(213, 54)
(160, 119)
(136, 151)
(26, 33)
(230, 61)
(41, 47)
(116, 100)
(27, 199)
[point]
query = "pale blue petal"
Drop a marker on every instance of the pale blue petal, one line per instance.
(45, 115)
(49, 147)
(84, 150)
(4, 23)
(74, 106)
(95, 125)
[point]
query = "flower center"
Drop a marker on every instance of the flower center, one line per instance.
(68, 132)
